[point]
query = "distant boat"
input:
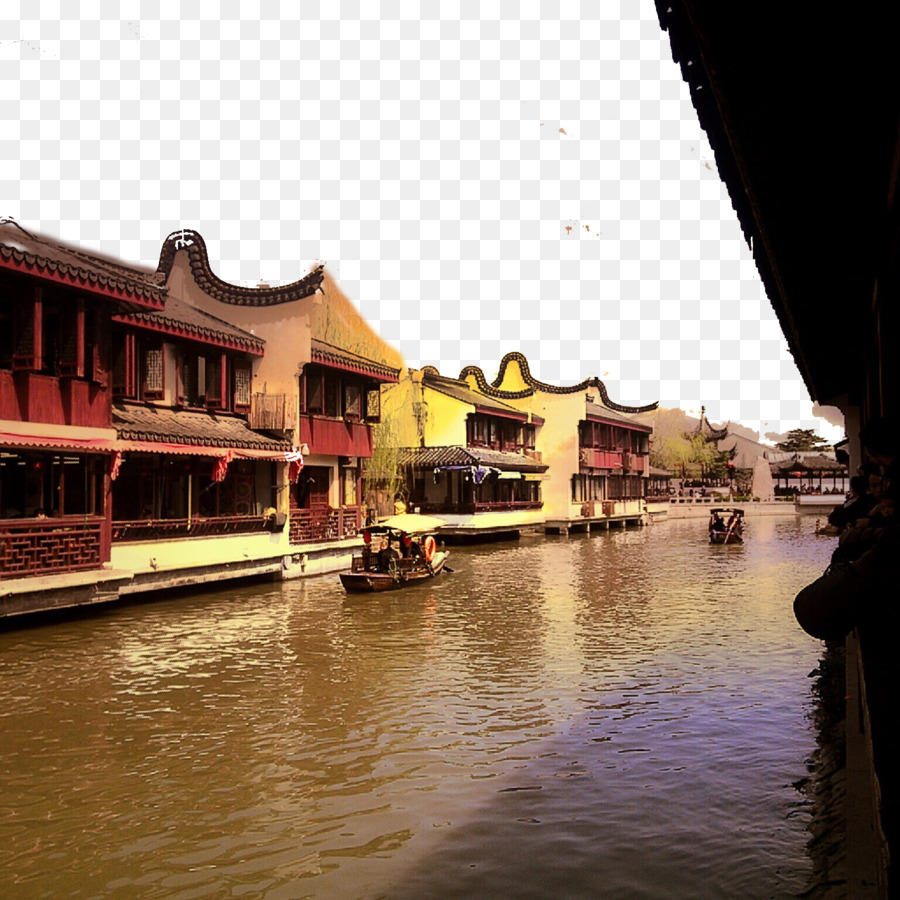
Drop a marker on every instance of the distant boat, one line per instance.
(726, 525)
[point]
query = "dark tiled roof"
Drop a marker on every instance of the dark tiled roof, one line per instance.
(601, 412)
(807, 462)
(460, 390)
(183, 320)
(432, 457)
(139, 422)
(337, 357)
(214, 287)
(25, 252)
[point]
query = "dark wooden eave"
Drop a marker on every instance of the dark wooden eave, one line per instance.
(50, 261)
(181, 320)
(801, 108)
(334, 357)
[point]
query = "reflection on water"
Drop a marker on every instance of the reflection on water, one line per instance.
(606, 715)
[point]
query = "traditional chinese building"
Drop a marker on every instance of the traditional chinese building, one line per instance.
(57, 439)
(526, 452)
(325, 395)
(598, 455)
(154, 425)
(468, 458)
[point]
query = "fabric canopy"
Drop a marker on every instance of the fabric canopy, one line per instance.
(37, 442)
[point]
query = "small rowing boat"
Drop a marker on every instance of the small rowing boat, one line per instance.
(407, 553)
(726, 525)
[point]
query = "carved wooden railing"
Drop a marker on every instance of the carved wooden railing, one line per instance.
(312, 525)
(49, 546)
(163, 529)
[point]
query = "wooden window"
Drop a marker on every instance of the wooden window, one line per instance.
(216, 380)
(72, 341)
(27, 349)
(124, 376)
(373, 405)
(315, 394)
(97, 352)
(187, 379)
(332, 396)
(241, 386)
(352, 401)
(154, 374)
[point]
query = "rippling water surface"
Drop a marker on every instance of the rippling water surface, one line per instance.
(612, 715)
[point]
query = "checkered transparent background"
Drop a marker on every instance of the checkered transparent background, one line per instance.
(480, 177)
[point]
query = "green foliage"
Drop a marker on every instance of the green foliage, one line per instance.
(800, 439)
(684, 453)
(384, 477)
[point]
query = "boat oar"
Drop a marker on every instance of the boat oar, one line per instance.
(730, 529)
(448, 569)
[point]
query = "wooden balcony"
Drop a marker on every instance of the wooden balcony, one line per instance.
(29, 397)
(592, 458)
(309, 526)
(335, 437)
(30, 547)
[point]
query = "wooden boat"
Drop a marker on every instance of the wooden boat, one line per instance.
(726, 525)
(408, 554)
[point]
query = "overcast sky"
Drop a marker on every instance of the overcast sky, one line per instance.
(489, 181)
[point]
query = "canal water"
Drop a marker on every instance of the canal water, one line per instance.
(614, 715)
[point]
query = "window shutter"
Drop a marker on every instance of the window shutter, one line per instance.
(27, 351)
(71, 341)
(99, 355)
(216, 371)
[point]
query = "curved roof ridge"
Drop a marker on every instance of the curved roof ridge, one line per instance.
(215, 287)
(492, 390)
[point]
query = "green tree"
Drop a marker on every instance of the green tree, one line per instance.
(800, 439)
(384, 478)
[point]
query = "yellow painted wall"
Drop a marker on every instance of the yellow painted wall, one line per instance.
(445, 417)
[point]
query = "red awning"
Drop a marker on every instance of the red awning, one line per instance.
(43, 442)
(107, 445)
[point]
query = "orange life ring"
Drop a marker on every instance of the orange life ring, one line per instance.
(429, 546)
